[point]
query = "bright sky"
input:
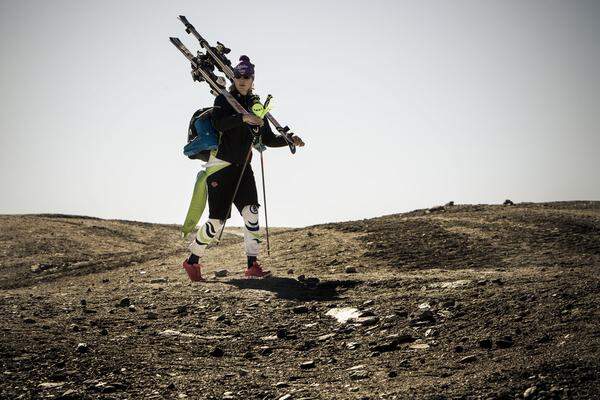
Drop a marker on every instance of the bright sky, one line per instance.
(403, 105)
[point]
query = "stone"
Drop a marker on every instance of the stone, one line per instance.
(217, 352)
(485, 343)
(385, 346)
(29, 320)
(508, 202)
(82, 348)
(286, 397)
(159, 280)
(359, 374)
(352, 345)
(131, 308)
(221, 273)
(300, 310)
(419, 346)
(182, 310)
(350, 269)
(392, 374)
(290, 271)
(504, 343)
(282, 333)
(151, 315)
(307, 364)
(530, 392)
(325, 337)
(50, 385)
(468, 359)
(282, 384)
(125, 302)
(368, 321)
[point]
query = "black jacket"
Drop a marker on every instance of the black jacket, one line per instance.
(236, 136)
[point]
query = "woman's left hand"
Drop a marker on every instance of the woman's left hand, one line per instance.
(297, 141)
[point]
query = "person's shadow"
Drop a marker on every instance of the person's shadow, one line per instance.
(292, 289)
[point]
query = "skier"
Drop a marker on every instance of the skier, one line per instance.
(226, 164)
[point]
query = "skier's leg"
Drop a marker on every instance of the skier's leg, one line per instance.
(204, 237)
(252, 237)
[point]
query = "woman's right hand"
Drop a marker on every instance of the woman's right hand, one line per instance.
(252, 119)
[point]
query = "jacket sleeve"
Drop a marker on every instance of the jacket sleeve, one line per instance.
(224, 117)
(269, 139)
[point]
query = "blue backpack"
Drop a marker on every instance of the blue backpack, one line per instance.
(202, 136)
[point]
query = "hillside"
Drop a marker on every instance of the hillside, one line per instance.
(465, 301)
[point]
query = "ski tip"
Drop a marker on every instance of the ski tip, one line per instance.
(175, 40)
(183, 19)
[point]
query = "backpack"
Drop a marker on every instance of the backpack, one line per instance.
(202, 136)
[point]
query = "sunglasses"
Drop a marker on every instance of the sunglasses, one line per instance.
(239, 76)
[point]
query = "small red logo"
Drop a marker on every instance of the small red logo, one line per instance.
(214, 184)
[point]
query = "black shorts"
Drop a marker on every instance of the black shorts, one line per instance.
(221, 186)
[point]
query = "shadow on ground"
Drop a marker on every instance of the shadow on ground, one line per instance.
(291, 289)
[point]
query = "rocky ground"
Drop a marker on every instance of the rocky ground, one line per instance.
(460, 301)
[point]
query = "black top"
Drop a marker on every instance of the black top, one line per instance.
(236, 135)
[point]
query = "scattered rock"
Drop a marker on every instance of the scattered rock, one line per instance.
(282, 384)
(368, 321)
(151, 315)
(290, 271)
(350, 269)
(307, 364)
(449, 204)
(325, 337)
(508, 202)
(132, 308)
(50, 385)
(352, 345)
(468, 359)
(358, 375)
(285, 397)
(83, 302)
(392, 374)
(300, 309)
(343, 314)
(159, 280)
(282, 333)
(504, 343)
(385, 346)
(103, 332)
(217, 352)
(530, 392)
(82, 348)
(29, 321)
(221, 273)
(419, 346)
(182, 310)
(125, 302)
(485, 343)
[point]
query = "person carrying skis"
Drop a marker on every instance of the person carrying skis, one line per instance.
(226, 165)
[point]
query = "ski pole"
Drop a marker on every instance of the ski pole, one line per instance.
(237, 186)
(262, 172)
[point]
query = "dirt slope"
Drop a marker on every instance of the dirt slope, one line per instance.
(491, 302)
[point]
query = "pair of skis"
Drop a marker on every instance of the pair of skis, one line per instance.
(202, 69)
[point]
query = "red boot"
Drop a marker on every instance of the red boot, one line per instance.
(256, 271)
(193, 271)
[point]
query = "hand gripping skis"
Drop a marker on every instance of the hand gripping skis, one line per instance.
(218, 53)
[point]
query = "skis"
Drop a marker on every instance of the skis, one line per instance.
(218, 55)
(202, 71)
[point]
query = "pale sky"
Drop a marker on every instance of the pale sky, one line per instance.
(403, 105)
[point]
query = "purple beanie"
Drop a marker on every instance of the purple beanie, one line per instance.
(245, 67)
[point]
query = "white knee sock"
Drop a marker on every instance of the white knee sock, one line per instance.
(251, 236)
(205, 235)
